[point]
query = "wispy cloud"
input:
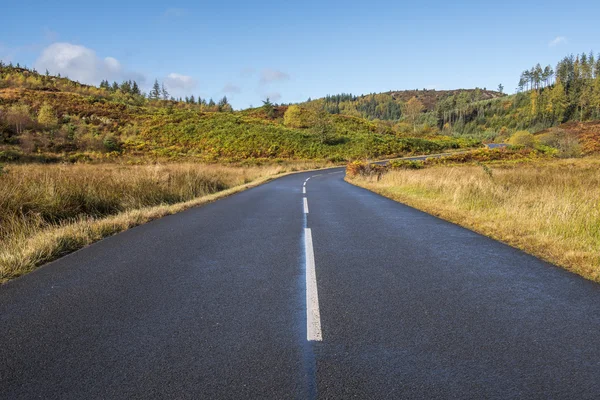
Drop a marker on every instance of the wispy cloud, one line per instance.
(272, 75)
(557, 41)
(231, 88)
(180, 84)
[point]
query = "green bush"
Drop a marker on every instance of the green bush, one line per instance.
(111, 144)
(523, 139)
(406, 164)
(10, 155)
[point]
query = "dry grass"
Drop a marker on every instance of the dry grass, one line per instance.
(47, 211)
(548, 208)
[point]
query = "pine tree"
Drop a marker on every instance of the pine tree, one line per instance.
(269, 108)
(558, 101)
(164, 93)
(125, 87)
(155, 92)
(596, 96)
(135, 89)
(224, 105)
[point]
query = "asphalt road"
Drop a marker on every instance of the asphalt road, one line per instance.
(221, 301)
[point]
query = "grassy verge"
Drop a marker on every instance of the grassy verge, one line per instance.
(47, 211)
(548, 208)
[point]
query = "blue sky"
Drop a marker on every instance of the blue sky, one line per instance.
(294, 50)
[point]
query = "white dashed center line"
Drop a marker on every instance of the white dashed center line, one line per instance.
(313, 315)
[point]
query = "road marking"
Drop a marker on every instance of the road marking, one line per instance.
(304, 190)
(304, 184)
(313, 315)
(305, 206)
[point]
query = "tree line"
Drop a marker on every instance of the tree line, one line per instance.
(21, 76)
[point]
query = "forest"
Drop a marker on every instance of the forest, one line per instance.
(545, 97)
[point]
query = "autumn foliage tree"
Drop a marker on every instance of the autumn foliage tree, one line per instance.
(298, 117)
(46, 116)
(323, 127)
(411, 110)
(19, 116)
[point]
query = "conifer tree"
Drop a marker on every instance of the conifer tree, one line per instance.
(164, 93)
(155, 92)
(135, 89)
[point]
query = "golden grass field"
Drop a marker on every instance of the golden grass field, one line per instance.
(548, 208)
(47, 211)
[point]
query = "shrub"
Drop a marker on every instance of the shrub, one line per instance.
(111, 144)
(523, 139)
(406, 164)
(568, 145)
(298, 117)
(9, 155)
(365, 169)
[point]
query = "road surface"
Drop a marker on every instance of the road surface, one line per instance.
(267, 295)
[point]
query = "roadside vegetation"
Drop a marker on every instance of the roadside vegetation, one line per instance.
(46, 118)
(548, 207)
(47, 211)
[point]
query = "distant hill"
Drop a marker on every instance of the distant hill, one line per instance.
(49, 118)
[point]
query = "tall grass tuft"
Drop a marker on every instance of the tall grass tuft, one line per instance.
(49, 210)
(549, 208)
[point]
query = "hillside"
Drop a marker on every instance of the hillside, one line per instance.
(45, 117)
(389, 105)
(587, 134)
(53, 118)
(547, 97)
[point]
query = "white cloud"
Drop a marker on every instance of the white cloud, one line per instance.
(231, 88)
(272, 75)
(82, 64)
(557, 40)
(112, 64)
(180, 85)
